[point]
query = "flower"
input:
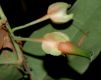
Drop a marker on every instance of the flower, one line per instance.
(51, 41)
(57, 12)
(57, 43)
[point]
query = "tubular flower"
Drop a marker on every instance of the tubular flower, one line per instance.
(57, 43)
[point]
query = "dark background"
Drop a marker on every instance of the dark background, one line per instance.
(20, 12)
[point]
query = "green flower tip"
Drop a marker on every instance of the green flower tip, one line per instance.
(68, 48)
(57, 43)
(57, 12)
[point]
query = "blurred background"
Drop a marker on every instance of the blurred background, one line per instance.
(20, 12)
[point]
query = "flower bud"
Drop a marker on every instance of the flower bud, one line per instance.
(57, 12)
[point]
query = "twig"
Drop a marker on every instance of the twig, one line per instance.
(21, 58)
(18, 51)
(31, 23)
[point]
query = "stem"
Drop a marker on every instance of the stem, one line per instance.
(2, 16)
(19, 53)
(17, 48)
(28, 39)
(31, 23)
(27, 68)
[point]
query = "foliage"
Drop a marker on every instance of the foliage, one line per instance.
(86, 19)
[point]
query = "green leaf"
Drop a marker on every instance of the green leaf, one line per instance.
(35, 49)
(9, 72)
(37, 69)
(36, 65)
(8, 57)
(87, 16)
